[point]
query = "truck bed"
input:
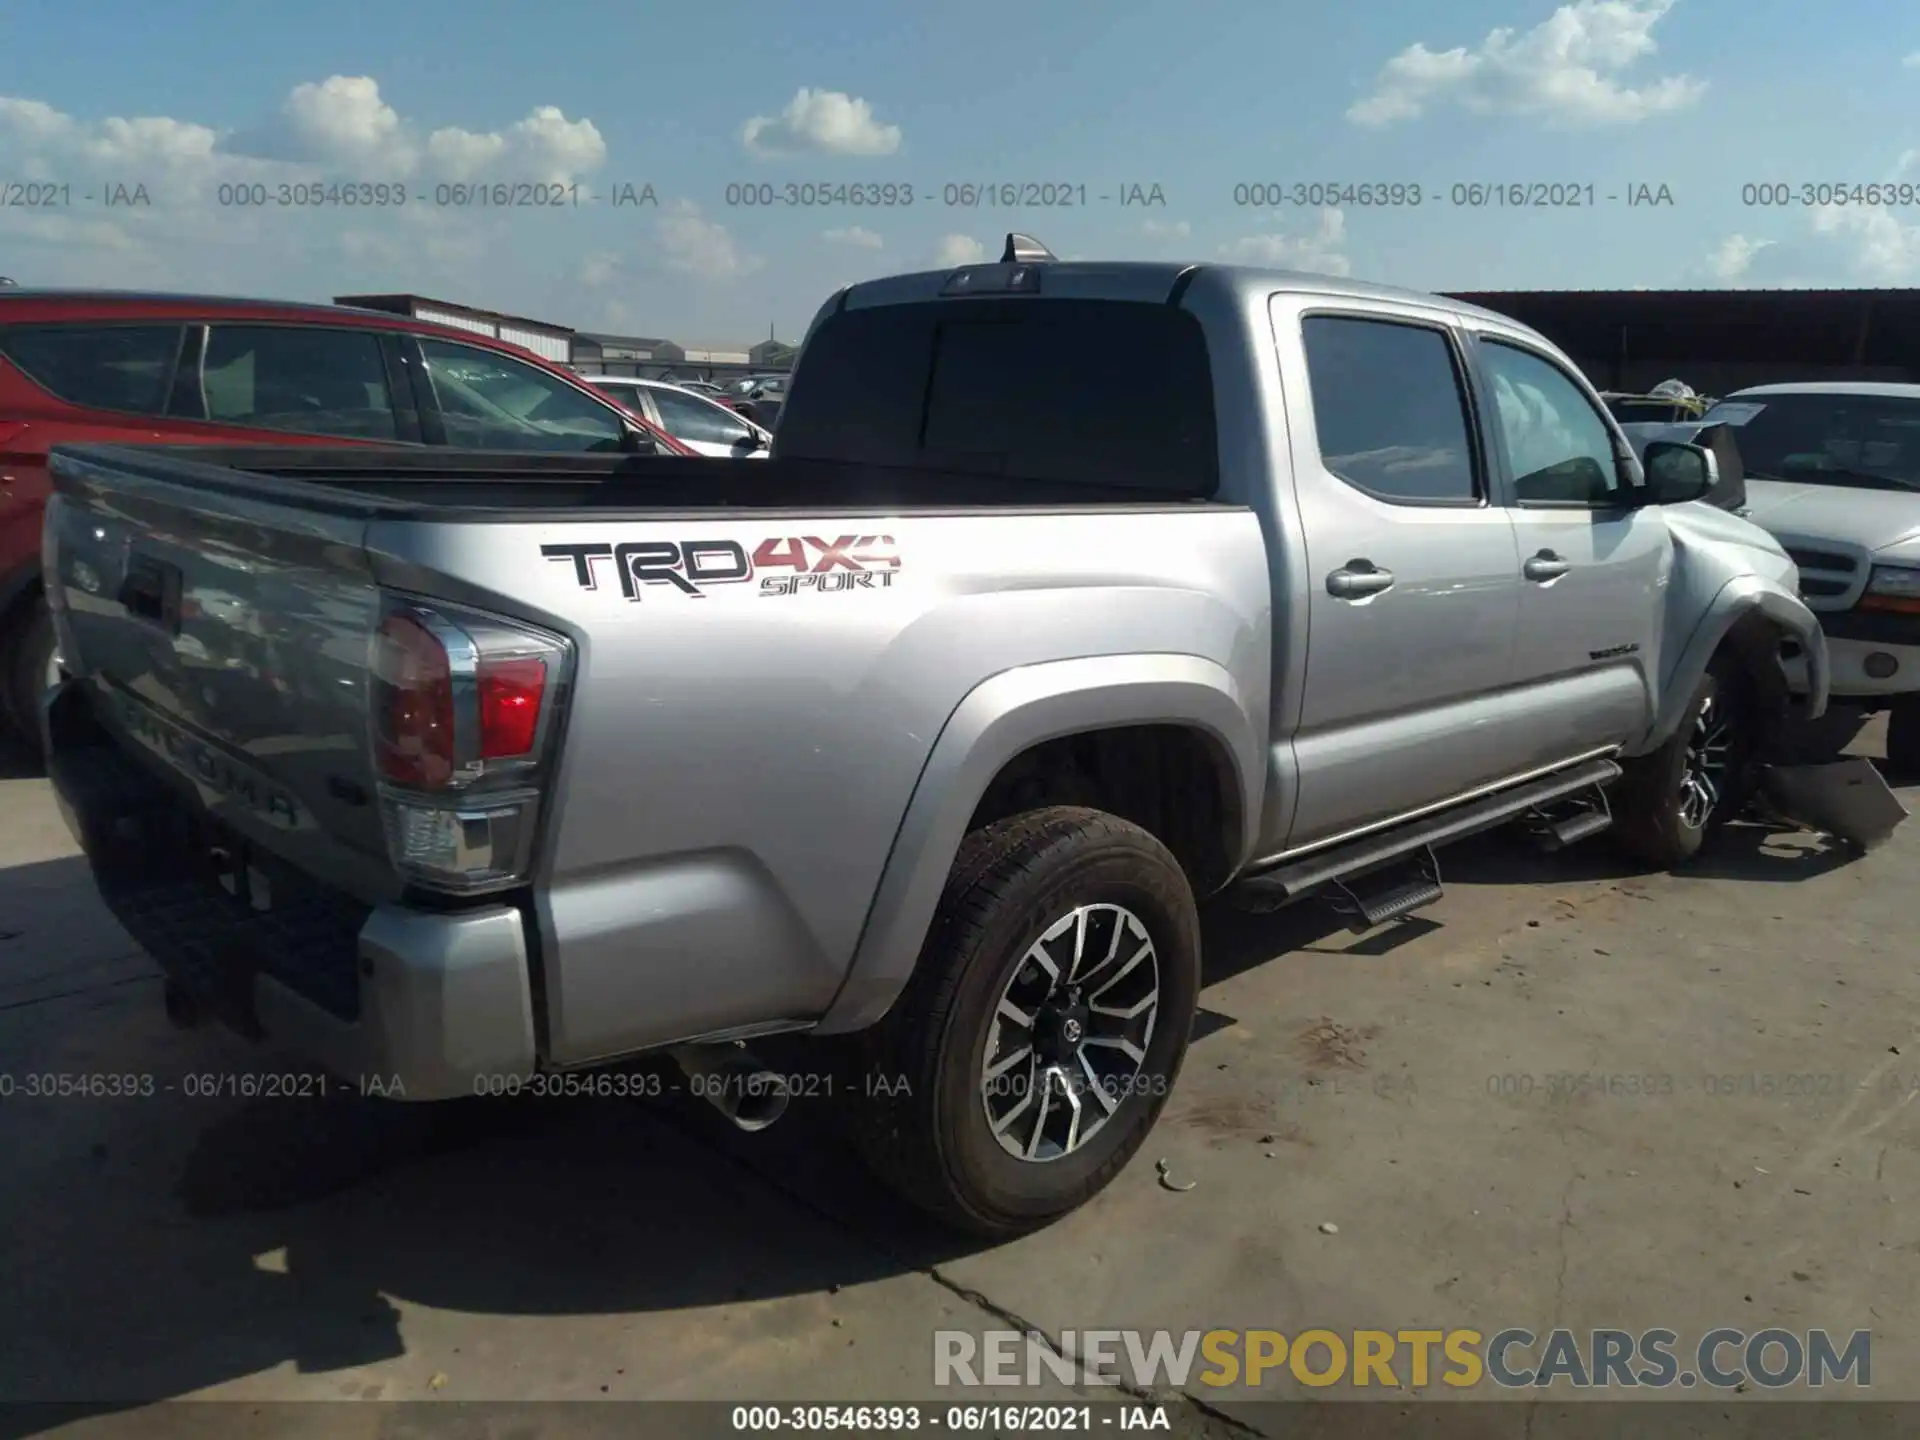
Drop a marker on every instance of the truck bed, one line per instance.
(737, 740)
(404, 482)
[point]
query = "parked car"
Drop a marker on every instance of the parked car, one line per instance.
(171, 369)
(697, 422)
(927, 732)
(1833, 470)
(759, 398)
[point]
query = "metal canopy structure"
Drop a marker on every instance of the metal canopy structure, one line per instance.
(1721, 340)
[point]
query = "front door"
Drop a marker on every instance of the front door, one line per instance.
(1413, 576)
(1594, 565)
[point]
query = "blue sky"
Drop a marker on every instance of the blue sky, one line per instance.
(1197, 97)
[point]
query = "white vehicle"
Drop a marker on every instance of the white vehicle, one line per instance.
(694, 420)
(1833, 471)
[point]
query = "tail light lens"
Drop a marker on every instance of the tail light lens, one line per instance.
(463, 713)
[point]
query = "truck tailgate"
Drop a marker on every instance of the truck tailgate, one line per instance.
(223, 640)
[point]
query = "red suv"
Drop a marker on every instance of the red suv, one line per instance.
(182, 369)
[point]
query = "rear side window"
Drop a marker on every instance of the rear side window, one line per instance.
(1389, 409)
(314, 381)
(104, 367)
(1095, 392)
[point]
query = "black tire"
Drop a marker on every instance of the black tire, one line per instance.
(28, 653)
(1654, 817)
(1903, 739)
(921, 1123)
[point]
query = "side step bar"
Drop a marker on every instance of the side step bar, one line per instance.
(1397, 888)
(1290, 881)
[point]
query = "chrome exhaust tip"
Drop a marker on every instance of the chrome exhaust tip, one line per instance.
(730, 1079)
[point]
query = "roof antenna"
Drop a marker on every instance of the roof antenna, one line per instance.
(1025, 250)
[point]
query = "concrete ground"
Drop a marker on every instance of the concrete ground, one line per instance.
(1400, 1087)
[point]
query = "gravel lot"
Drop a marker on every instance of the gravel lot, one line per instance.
(1398, 1086)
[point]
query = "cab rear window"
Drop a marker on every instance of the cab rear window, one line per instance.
(103, 367)
(1104, 393)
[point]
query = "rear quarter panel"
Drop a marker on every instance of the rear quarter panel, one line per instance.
(737, 765)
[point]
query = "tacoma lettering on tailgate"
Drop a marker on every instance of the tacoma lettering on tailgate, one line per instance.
(215, 773)
(784, 565)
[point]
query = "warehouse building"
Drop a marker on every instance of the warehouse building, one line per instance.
(1719, 341)
(553, 342)
(656, 359)
(588, 351)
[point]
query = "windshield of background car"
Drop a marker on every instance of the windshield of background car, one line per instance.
(1825, 438)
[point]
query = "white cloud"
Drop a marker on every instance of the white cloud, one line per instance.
(957, 250)
(1319, 252)
(1912, 62)
(344, 124)
(337, 130)
(1565, 69)
(1166, 229)
(857, 236)
(598, 270)
(1732, 257)
(821, 122)
(691, 244)
(1874, 245)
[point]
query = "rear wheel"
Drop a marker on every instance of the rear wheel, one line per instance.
(1044, 1025)
(1670, 799)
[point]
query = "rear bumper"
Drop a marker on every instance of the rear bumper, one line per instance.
(417, 1004)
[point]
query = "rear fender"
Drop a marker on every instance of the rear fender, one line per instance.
(999, 719)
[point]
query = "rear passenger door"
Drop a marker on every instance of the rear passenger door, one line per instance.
(1593, 563)
(1413, 575)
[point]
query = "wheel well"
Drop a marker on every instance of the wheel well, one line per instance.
(1173, 781)
(1755, 646)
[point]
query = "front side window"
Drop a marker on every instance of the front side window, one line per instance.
(103, 367)
(313, 380)
(1559, 448)
(686, 418)
(491, 402)
(1389, 409)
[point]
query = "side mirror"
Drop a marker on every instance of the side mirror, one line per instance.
(1678, 473)
(639, 442)
(750, 442)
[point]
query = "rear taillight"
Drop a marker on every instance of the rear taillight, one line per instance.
(462, 718)
(413, 704)
(510, 695)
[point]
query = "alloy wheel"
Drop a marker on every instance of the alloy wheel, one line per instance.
(1070, 1033)
(1703, 780)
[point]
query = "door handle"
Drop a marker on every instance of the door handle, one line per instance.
(1545, 566)
(1358, 579)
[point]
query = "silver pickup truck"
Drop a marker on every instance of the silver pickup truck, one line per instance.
(1072, 593)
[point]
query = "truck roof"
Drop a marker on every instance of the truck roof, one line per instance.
(1889, 389)
(1153, 281)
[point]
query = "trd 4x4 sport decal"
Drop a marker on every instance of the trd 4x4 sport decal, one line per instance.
(784, 565)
